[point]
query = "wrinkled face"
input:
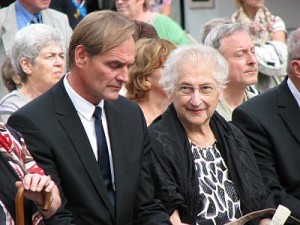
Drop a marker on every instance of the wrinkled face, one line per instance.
(239, 51)
(129, 8)
(102, 76)
(48, 67)
(35, 6)
(196, 107)
(253, 4)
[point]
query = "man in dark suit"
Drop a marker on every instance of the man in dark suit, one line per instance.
(62, 133)
(271, 122)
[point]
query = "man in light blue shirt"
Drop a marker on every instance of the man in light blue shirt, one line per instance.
(20, 14)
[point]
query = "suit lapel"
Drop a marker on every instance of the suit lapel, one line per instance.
(10, 27)
(72, 125)
(288, 110)
(115, 129)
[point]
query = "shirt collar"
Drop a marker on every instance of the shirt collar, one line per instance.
(24, 17)
(83, 107)
(294, 91)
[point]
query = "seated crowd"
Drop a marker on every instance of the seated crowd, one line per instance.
(132, 122)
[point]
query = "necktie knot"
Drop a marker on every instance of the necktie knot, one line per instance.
(34, 20)
(98, 112)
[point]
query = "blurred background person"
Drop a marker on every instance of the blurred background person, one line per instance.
(10, 78)
(271, 121)
(19, 169)
(265, 28)
(75, 9)
(145, 30)
(39, 62)
(165, 27)
(208, 26)
(20, 14)
(142, 86)
(203, 167)
(161, 6)
(234, 42)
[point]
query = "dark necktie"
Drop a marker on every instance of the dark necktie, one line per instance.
(103, 156)
(34, 20)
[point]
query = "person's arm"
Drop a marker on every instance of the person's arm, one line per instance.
(279, 30)
(39, 147)
(263, 150)
(148, 209)
(33, 185)
(279, 36)
(175, 219)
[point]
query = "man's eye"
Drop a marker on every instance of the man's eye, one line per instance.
(115, 65)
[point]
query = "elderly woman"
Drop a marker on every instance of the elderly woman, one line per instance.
(203, 167)
(37, 56)
(142, 86)
(19, 169)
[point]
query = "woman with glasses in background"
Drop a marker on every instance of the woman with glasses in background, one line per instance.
(203, 167)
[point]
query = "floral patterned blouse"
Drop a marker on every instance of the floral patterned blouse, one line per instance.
(16, 154)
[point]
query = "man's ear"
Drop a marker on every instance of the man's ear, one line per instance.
(81, 55)
(26, 65)
(295, 66)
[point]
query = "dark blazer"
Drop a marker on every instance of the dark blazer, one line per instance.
(57, 140)
(271, 123)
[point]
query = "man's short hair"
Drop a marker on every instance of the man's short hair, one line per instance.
(99, 32)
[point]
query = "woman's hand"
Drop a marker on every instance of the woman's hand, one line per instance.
(33, 185)
(266, 221)
(175, 219)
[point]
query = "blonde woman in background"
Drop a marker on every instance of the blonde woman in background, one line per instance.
(268, 32)
(263, 25)
(142, 86)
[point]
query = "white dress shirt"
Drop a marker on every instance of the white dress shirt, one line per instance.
(85, 111)
(294, 91)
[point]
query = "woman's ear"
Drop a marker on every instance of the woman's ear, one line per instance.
(147, 84)
(220, 94)
(26, 65)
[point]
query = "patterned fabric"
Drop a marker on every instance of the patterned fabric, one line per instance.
(263, 25)
(21, 161)
(217, 192)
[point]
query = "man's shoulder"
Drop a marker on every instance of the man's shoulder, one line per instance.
(55, 13)
(5, 11)
(264, 99)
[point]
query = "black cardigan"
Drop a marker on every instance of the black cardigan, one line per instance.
(174, 169)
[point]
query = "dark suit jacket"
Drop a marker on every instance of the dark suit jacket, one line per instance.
(57, 140)
(271, 122)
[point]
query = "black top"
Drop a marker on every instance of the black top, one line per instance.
(174, 169)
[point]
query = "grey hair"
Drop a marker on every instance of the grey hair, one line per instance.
(207, 27)
(293, 46)
(28, 43)
(193, 56)
(217, 34)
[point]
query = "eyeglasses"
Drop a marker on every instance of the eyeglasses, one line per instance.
(203, 90)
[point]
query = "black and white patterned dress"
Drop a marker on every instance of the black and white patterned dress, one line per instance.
(217, 192)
